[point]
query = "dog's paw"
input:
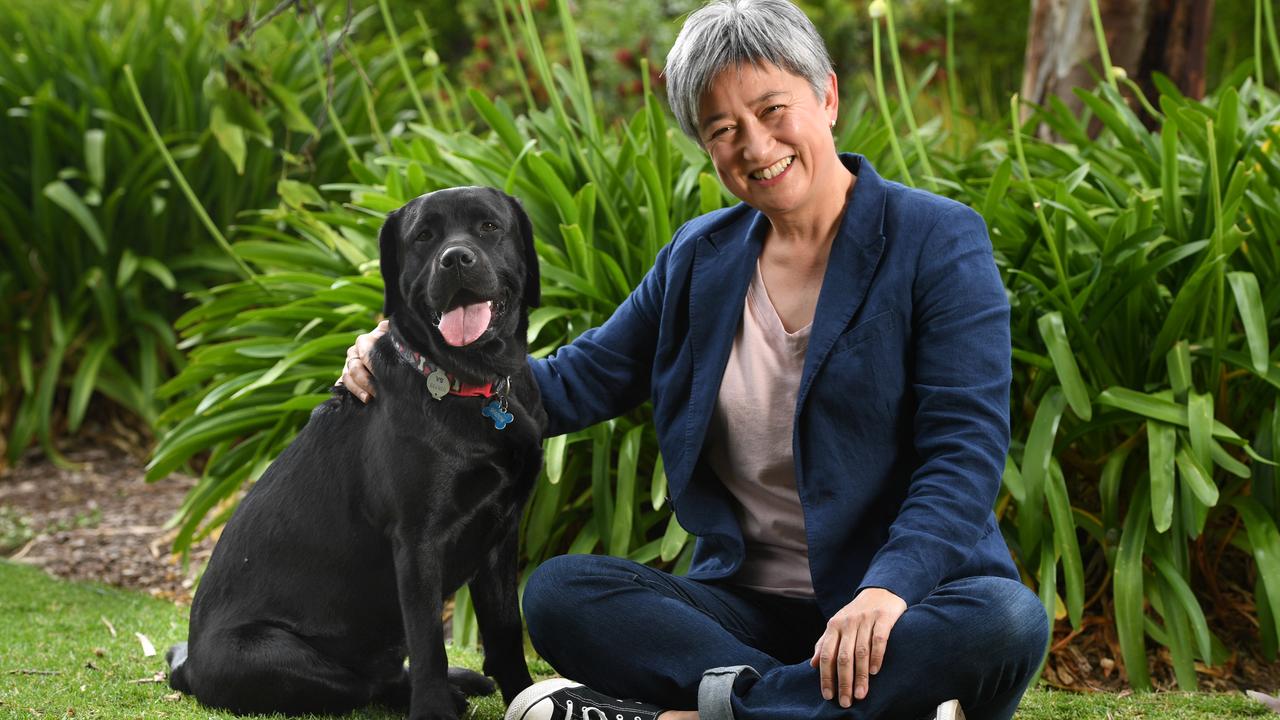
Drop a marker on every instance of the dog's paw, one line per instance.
(176, 655)
(454, 707)
(470, 682)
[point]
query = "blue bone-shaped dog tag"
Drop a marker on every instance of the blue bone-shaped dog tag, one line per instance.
(500, 417)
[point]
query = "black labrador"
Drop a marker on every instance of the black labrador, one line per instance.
(337, 562)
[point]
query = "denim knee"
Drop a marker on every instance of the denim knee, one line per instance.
(543, 593)
(1020, 626)
(561, 588)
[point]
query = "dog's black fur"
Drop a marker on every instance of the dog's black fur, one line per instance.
(336, 564)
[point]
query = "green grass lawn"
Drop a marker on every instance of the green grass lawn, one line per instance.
(59, 659)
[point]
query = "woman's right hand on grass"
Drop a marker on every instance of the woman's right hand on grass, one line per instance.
(357, 375)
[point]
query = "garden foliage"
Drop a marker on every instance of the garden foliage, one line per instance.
(1141, 266)
(1142, 269)
(97, 245)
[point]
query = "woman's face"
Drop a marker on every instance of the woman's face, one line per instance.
(769, 137)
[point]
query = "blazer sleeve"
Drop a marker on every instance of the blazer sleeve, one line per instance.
(961, 376)
(605, 371)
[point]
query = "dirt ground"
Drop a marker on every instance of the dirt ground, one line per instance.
(101, 521)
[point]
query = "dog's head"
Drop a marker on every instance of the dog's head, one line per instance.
(460, 273)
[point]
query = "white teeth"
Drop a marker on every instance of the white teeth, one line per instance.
(773, 170)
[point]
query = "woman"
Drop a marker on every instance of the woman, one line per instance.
(829, 369)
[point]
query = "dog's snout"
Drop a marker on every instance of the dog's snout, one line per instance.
(457, 255)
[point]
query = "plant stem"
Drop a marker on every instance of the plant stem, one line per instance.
(883, 101)
(448, 124)
(500, 8)
(1271, 33)
(1102, 44)
(370, 109)
(1035, 199)
(586, 105)
(1215, 249)
(1142, 99)
(404, 64)
(905, 97)
(1257, 44)
(953, 80)
(538, 57)
(334, 120)
(459, 122)
(182, 181)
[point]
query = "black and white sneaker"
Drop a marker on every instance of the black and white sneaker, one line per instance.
(561, 699)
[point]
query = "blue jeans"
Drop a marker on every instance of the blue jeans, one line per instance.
(634, 632)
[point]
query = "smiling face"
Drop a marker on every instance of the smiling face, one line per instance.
(769, 138)
(462, 258)
(459, 271)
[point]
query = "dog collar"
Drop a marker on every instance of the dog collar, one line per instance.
(439, 382)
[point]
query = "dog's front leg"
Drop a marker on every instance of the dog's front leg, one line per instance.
(418, 581)
(494, 592)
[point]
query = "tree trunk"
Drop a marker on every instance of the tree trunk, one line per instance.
(1143, 37)
(1176, 45)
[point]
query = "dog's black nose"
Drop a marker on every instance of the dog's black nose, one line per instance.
(457, 255)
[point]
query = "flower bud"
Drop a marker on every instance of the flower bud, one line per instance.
(877, 9)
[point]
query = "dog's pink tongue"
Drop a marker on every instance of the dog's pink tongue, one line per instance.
(464, 324)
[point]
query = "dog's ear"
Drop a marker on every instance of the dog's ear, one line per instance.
(532, 276)
(389, 248)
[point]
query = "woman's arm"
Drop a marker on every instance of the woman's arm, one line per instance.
(961, 376)
(606, 370)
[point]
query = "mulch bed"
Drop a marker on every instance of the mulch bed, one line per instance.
(101, 521)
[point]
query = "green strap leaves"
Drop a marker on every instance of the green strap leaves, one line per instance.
(1035, 466)
(1064, 363)
(1161, 443)
(1244, 285)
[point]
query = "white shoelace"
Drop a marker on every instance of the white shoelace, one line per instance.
(588, 709)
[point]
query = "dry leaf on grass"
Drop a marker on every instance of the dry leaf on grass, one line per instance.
(148, 650)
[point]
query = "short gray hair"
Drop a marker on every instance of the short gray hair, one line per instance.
(727, 33)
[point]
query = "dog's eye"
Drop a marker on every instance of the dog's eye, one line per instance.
(423, 236)
(488, 227)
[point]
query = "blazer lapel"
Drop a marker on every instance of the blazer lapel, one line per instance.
(855, 254)
(723, 264)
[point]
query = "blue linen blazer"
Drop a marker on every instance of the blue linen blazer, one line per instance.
(901, 422)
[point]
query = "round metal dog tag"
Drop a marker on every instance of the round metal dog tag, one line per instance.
(438, 384)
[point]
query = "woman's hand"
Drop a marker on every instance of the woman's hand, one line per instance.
(853, 645)
(357, 376)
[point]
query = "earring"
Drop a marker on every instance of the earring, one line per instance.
(833, 124)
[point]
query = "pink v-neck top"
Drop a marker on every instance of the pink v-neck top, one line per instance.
(749, 446)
